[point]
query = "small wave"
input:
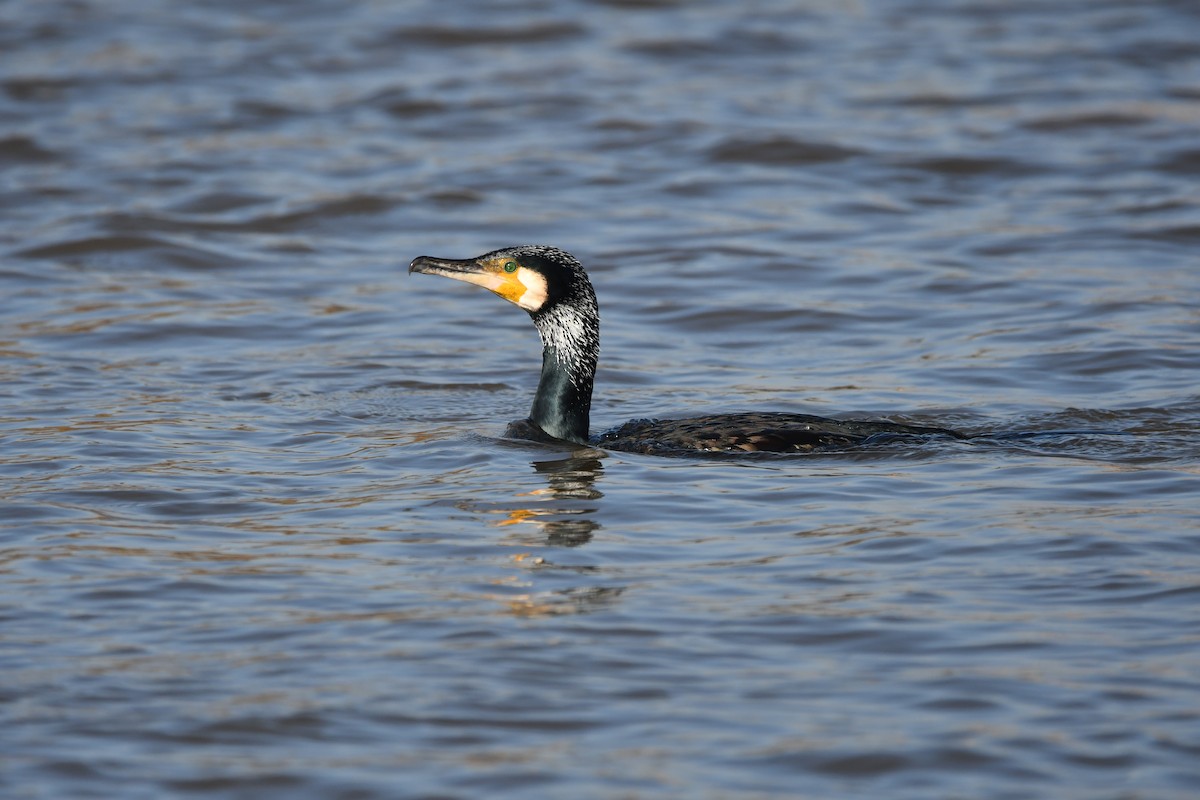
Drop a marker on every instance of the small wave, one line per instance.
(302, 219)
(429, 386)
(967, 166)
(1134, 435)
(783, 150)
(469, 36)
(640, 3)
(402, 103)
(174, 253)
(35, 90)
(1174, 234)
(936, 100)
(219, 202)
(1053, 123)
(23, 149)
(1181, 161)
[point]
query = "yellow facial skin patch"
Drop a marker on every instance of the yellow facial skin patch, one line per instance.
(523, 287)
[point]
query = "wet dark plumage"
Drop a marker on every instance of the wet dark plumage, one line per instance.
(756, 432)
(554, 288)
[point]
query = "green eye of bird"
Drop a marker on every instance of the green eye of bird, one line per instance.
(510, 266)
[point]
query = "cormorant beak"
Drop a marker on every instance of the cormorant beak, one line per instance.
(490, 274)
(462, 270)
(469, 270)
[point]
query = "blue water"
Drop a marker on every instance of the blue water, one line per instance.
(259, 534)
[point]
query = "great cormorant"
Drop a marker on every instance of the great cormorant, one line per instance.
(552, 286)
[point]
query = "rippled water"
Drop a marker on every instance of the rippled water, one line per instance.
(260, 538)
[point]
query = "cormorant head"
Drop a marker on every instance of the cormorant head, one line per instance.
(552, 286)
(534, 277)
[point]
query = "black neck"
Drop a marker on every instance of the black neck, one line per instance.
(563, 399)
(570, 333)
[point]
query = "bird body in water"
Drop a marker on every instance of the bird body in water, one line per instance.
(553, 287)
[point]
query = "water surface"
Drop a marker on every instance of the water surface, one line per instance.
(260, 537)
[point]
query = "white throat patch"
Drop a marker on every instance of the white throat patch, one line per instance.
(535, 289)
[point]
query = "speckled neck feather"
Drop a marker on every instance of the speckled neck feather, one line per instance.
(570, 332)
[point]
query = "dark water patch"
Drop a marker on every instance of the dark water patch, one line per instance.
(176, 504)
(16, 513)
(1090, 547)
(618, 133)
(247, 729)
(1161, 50)
(219, 202)
(1188, 235)
(258, 111)
(1082, 121)
(639, 4)
(779, 150)
(1181, 162)
(874, 208)
(963, 703)
(252, 786)
(39, 89)
(259, 396)
(104, 249)
(401, 102)
(492, 116)
(456, 197)
(24, 150)
(724, 45)
(966, 166)
(537, 33)
(314, 216)
(171, 325)
(946, 101)
(427, 386)
(845, 765)
(72, 770)
(725, 321)
(1185, 594)
(33, 285)
(1156, 206)
(1006, 245)
(1105, 362)
(119, 594)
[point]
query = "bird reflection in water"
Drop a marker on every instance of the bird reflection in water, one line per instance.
(561, 518)
(572, 488)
